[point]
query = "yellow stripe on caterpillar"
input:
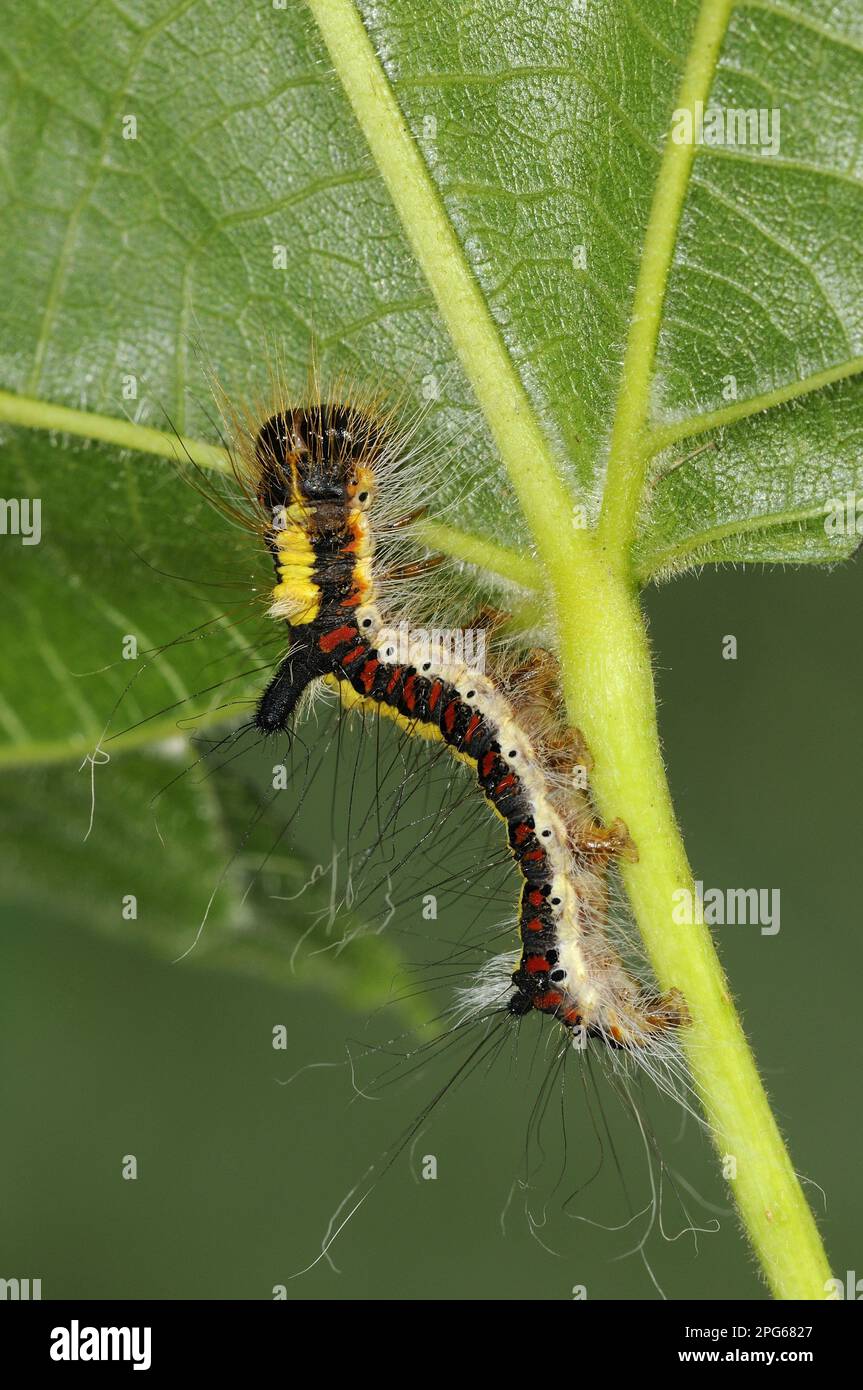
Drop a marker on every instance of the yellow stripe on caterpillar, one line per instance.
(430, 732)
(358, 524)
(295, 547)
(297, 596)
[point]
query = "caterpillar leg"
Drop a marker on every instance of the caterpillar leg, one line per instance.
(601, 843)
(418, 567)
(658, 1014)
(408, 518)
(541, 699)
(489, 617)
(669, 1011)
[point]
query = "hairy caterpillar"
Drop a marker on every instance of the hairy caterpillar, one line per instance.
(314, 472)
(342, 558)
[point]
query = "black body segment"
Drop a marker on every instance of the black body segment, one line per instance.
(336, 647)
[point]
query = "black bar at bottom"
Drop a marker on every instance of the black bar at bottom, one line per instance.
(65, 1338)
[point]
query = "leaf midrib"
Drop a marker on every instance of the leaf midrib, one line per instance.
(628, 459)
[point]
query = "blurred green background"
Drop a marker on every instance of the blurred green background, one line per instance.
(108, 1052)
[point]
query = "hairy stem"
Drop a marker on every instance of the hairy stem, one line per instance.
(610, 697)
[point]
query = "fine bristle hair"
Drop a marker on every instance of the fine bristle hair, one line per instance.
(394, 442)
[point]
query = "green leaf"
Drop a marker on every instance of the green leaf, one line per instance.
(198, 900)
(127, 551)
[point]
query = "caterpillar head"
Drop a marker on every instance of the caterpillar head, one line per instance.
(319, 459)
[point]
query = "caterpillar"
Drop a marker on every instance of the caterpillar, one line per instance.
(314, 472)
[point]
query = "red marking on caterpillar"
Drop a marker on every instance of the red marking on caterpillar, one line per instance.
(548, 1002)
(409, 692)
(328, 641)
(473, 724)
(367, 674)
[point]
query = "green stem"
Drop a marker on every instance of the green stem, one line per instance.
(629, 450)
(488, 555)
(662, 436)
(42, 415)
(610, 697)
